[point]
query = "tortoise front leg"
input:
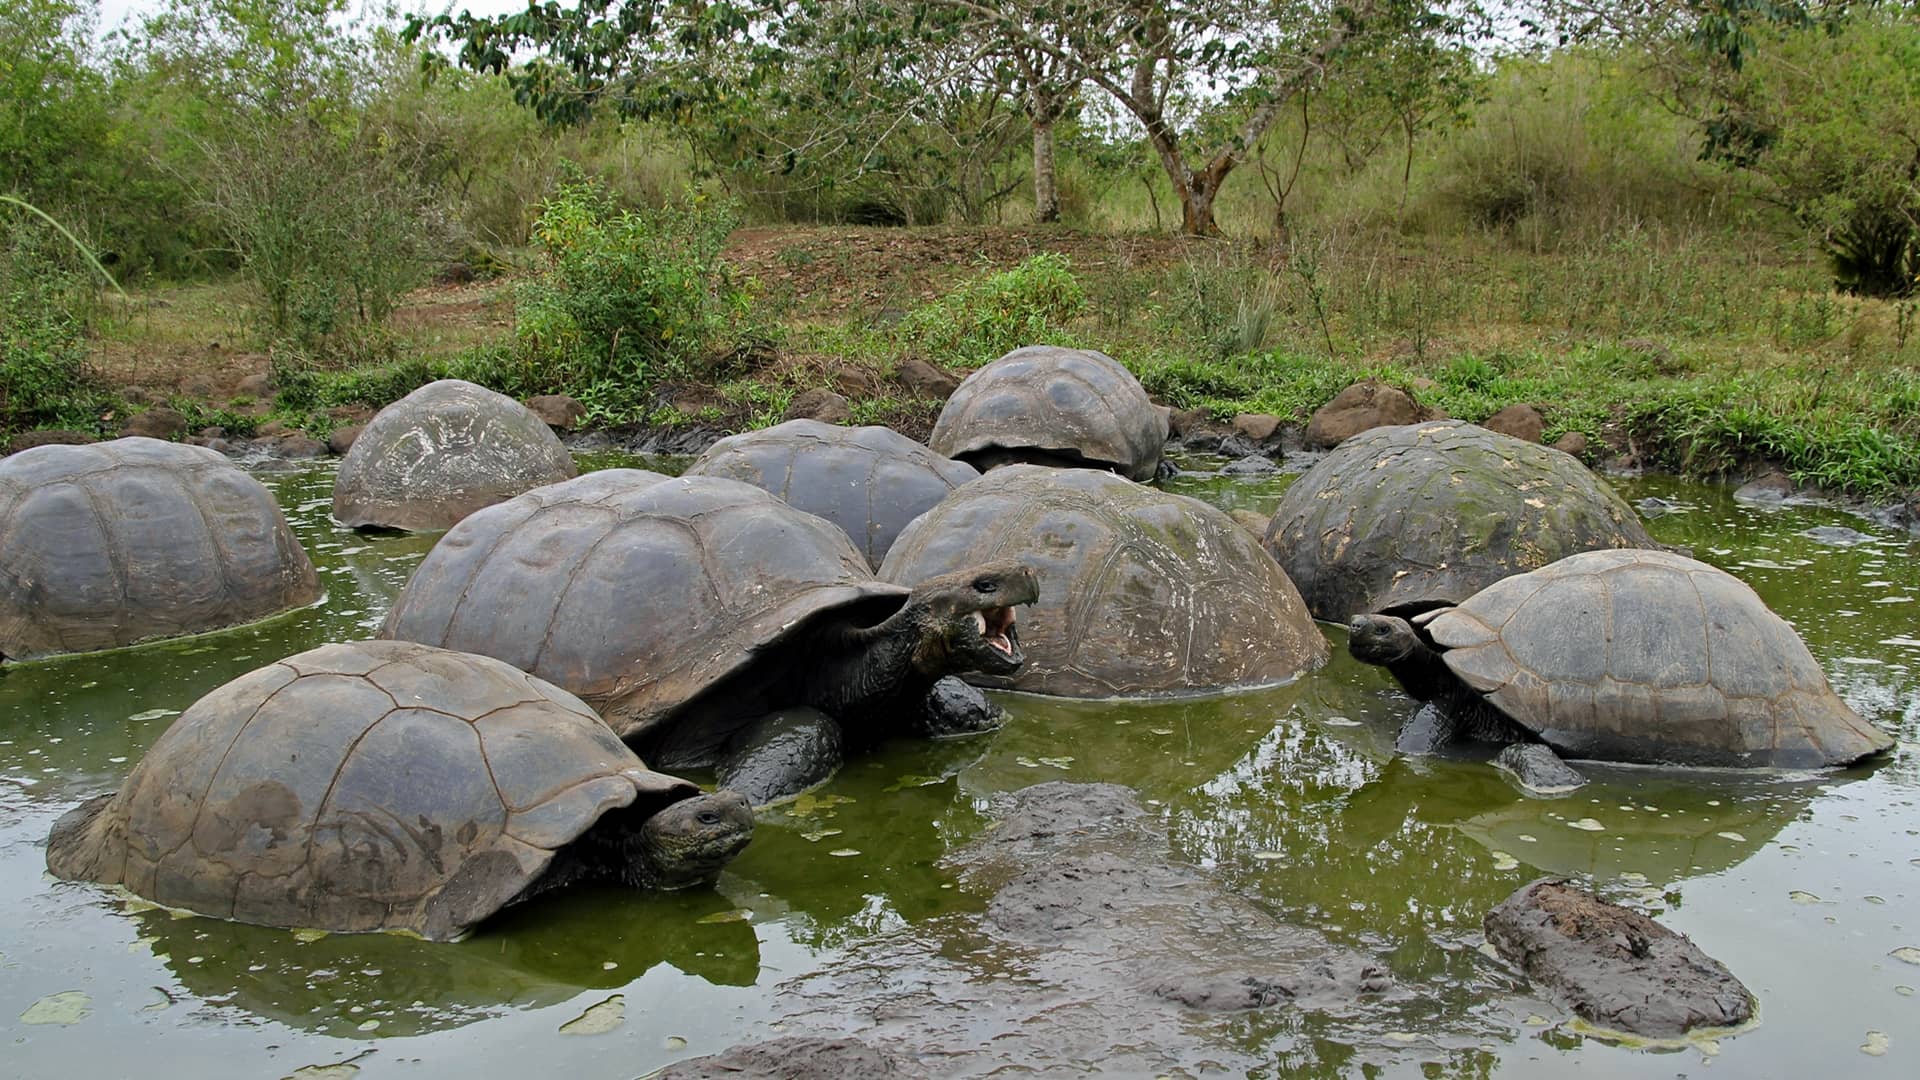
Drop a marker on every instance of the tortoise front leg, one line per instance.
(781, 755)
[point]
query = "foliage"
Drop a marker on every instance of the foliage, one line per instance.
(626, 297)
(995, 313)
(46, 295)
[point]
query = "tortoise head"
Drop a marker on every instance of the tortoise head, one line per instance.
(968, 620)
(688, 842)
(1381, 639)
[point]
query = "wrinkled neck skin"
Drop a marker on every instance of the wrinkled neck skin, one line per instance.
(1422, 674)
(869, 674)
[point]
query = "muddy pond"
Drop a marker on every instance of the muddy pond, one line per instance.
(848, 913)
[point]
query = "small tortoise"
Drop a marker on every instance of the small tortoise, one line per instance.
(1636, 656)
(1051, 406)
(118, 542)
(1401, 519)
(710, 623)
(384, 785)
(442, 452)
(1141, 592)
(870, 481)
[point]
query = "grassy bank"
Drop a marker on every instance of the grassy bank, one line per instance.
(1703, 355)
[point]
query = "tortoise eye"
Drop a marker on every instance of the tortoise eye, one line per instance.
(985, 585)
(708, 817)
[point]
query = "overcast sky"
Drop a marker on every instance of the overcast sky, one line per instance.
(114, 12)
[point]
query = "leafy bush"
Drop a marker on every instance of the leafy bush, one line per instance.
(992, 315)
(45, 298)
(627, 296)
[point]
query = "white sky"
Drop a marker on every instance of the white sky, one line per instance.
(113, 13)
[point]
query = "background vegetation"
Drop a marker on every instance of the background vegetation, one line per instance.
(1687, 227)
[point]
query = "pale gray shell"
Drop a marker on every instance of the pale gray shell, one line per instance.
(1074, 404)
(442, 452)
(118, 542)
(1653, 657)
(1141, 592)
(375, 785)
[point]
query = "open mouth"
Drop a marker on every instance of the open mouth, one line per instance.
(995, 626)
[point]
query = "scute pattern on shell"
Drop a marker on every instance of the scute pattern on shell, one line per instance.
(870, 481)
(1141, 592)
(366, 786)
(1421, 515)
(1654, 657)
(630, 589)
(118, 542)
(442, 452)
(1067, 401)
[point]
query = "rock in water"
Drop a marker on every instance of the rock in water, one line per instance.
(792, 1059)
(1614, 967)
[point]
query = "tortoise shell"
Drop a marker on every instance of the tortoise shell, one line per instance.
(870, 481)
(1403, 519)
(632, 590)
(1075, 405)
(442, 452)
(375, 785)
(1648, 656)
(1141, 592)
(117, 542)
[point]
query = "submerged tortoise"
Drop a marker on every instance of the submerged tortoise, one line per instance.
(385, 785)
(870, 481)
(710, 623)
(1401, 519)
(118, 542)
(1052, 406)
(442, 452)
(1635, 656)
(1141, 592)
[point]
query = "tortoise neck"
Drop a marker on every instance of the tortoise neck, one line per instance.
(867, 667)
(1422, 674)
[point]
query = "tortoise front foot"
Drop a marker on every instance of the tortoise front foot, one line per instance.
(781, 755)
(1427, 731)
(954, 708)
(1538, 769)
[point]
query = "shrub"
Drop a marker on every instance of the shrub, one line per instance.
(994, 314)
(45, 298)
(627, 296)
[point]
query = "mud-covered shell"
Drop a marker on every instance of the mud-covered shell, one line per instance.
(1071, 403)
(632, 590)
(118, 542)
(1653, 657)
(1401, 519)
(1141, 592)
(374, 785)
(442, 452)
(870, 481)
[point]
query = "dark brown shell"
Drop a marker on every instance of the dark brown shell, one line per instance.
(1141, 592)
(118, 542)
(1401, 519)
(870, 481)
(632, 590)
(1073, 403)
(375, 785)
(442, 452)
(1653, 657)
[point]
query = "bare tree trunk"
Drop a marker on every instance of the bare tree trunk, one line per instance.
(1046, 191)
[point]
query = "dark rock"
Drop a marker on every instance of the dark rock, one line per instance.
(140, 395)
(158, 422)
(557, 411)
(1361, 407)
(27, 440)
(1184, 422)
(1258, 427)
(856, 382)
(1614, 967)
(258, 386)
(924, 381)
(212, 431)
(1235, 445)
(819, 404)
(341, 440)
(1769, 490)
(795, 1058)
(1519, 421)
(218, 445)
(1572, 443)
(1653, 506)
(1836, 536)
(297, 446)
(274, 429)
(199, 386)
(1251, 465)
